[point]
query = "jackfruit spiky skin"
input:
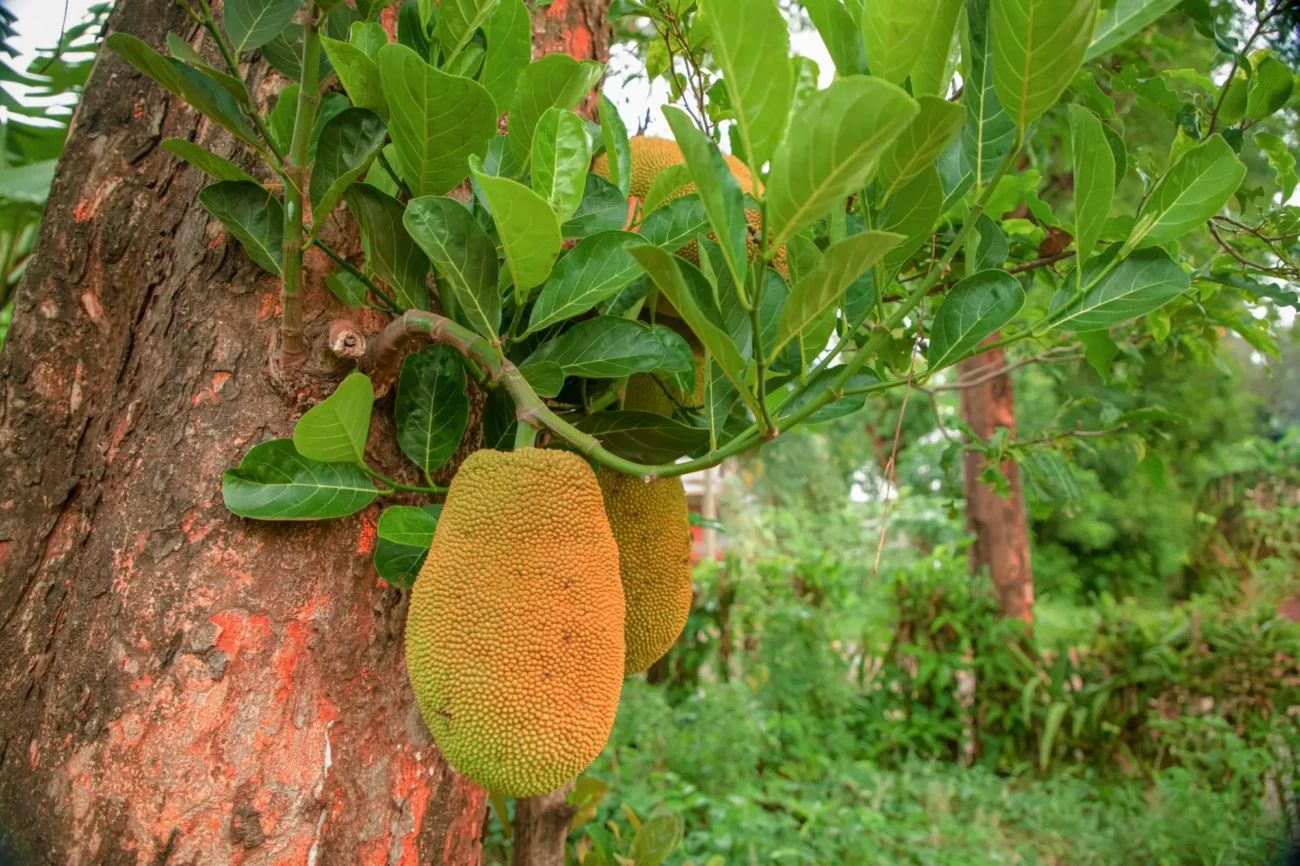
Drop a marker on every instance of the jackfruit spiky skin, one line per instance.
(514, 640)
(652, 155)
(652, 528)
(655, 392)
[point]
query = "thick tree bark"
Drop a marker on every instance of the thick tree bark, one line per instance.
(998, 523)
(178, 685)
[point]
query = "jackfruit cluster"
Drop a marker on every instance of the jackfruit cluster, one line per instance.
(515, 635)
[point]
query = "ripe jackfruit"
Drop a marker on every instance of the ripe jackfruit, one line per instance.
(651, 525)
(514, 640)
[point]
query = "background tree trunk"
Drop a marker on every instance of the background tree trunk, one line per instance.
(998, 523)
(177, 684)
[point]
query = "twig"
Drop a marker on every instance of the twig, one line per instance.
(890, 467)
(1230, 250)
(1055, 355)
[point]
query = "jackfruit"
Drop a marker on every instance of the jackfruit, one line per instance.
(652, 155)
(514, 640)
(652, 528)
(657, 393)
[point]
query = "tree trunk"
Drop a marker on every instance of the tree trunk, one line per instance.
(179, 685)
(998, 523)
(541, 827)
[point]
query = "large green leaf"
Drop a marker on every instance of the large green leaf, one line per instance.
(183, 51)
(613, 133)
(30, 183)
(892, 31)
(251, 24)
(1038, 46)
(989, 132)
(561, 156)
(348, 145)
(936, 122)
(284, 53)
(509, 49)
(437, 121)
(676, 224)
(335, 429)
(550, 81)
(275, 482)
(199, 157)
(252, 215)
(670, 275)
(358, 74)
(602, 208)
(972, 311)
(751, 44)
(1270, 88)
(390, 252)
(458, 20)
(202, 93)
(1094, 179)
(1191, 192)
(606, 347)
(912, 214)
(833, 151)
(840, 33)
(838, 408)
(932, 74)
(644, 437)
(596, 269)
(824, 285)
(402, 541)
(464, 255)
(1145, 281)
(529, 230)
(717, 187)
(432, 408)
(1282, 161)
(1123, 20)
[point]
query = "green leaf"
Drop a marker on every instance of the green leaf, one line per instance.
(350, 291)
(596, 269)
(676, 224)
(1100, 351)
(614, 133)
(987, 247)
(838, 408)
(252, 215)
(545, 377)
(1190, 193)
(358, 73)
(972, 311)
(823, 287)
(667, 183)
(936, 122)
(550, 81)
(1124, 20)
(1038, 46)
(1270, 88)
(841, 35)
(602, 208)
(458, 20)
(932, 74)
(432, 408)
(437, 121)
(802, 256)
(403, 538)
(656, 839)
(284, 53)
(644, 436)
(606, 347)
(185, 52)
(390, 252)
(275, 482)
(217, 166)
(370, 37)
(717, 187)
(1055, 713)
(411, 29)
(464, 256)
(833, 152)
(1145, 281)
(751, 45)
(989, 132)
(529, 230)
(891, 32)
(509, 50)
(670, 275)
(335, 429)
(29, 183)
(251, 24)
(561, 156)
(912, 214)
(348, 145)
(198, 90)
(1281, 159)
(1094, 179)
